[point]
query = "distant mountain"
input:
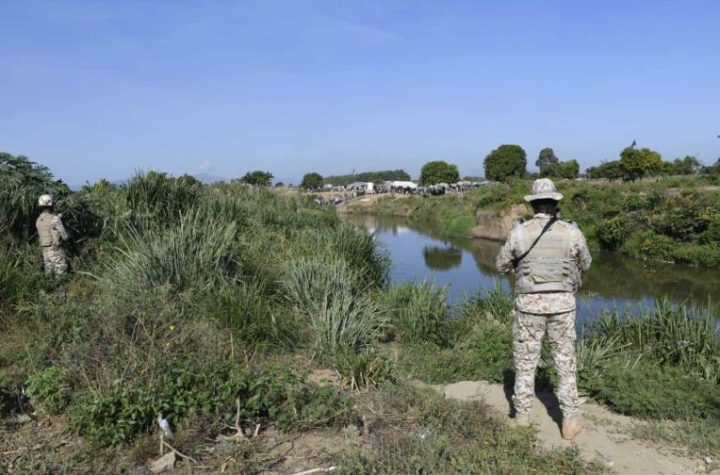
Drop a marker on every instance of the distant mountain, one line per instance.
(208, 178)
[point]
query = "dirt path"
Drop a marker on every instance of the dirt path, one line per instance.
(606, 438)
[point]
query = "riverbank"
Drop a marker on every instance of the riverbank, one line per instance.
(250, 322)
(268, 338)
(668, 220)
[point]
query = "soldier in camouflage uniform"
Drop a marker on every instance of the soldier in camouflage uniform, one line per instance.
(547, 256)
(52, 235)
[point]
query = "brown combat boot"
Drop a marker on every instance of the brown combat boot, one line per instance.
(571, 427)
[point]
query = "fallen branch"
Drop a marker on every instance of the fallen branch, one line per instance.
(177, 452)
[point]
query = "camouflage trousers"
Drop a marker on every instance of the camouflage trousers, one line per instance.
(528, 332)
(54, 261)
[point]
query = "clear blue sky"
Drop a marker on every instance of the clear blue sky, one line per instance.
(101, 88)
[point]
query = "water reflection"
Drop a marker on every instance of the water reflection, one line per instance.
(466, 265)
(442, 258)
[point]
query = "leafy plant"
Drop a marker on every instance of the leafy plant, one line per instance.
(49, 390)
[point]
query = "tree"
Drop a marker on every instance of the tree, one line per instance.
(610, 170)
(504, 162)
(258, 178)
(436, 172)
(374, 177)
(312, 181)
(685, 166)
(637, 163)
(569, 169)
(546, 160)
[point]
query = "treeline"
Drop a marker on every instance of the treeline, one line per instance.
(509, 161)
(370, 177)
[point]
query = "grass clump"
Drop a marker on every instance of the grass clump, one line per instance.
(329, 295)
(479, 344)
(418, 312)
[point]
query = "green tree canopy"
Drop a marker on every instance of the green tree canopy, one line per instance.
(610, 170)
(569, 169)
(637, 163)
(436, 172)
(258, 178)
(682, 166)
(505, 162)
(373, 177)
(546, 160)
(312, 181)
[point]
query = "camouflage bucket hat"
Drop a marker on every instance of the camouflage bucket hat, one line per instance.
(45, 200)
(544, 189)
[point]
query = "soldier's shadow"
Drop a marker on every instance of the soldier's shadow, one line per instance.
(543, 391)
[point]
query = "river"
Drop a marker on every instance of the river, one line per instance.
(466, 266)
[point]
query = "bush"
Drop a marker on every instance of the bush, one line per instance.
(648, 245)
(48, 389)
(613, 232)
(418, 312)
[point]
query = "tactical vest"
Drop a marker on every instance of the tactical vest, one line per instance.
(548, 267)
(46, 230)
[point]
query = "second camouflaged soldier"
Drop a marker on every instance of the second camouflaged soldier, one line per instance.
(52, 235)
(547, 256)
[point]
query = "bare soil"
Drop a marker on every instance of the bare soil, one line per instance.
(607, 436)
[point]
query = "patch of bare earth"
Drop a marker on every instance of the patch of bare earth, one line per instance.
(607, 436)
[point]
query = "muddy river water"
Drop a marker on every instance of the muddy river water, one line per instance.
(468, 265)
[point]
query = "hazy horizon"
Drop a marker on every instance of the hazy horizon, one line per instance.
(101, 89)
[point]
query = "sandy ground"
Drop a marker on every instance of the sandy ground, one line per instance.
(607, 436)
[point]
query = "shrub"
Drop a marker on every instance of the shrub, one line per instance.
(613, 232)
(49, 389)
(418, 311)
(648, 245)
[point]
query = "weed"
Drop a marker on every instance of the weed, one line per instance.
(48, 389)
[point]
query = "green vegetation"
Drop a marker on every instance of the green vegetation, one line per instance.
(257, 178)
(550, 166)
(661, 366)
(211, 303)
(436, 172)
(506, 162)
(671, 219)
(312, 181)
(211, 306)
(369, 177)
